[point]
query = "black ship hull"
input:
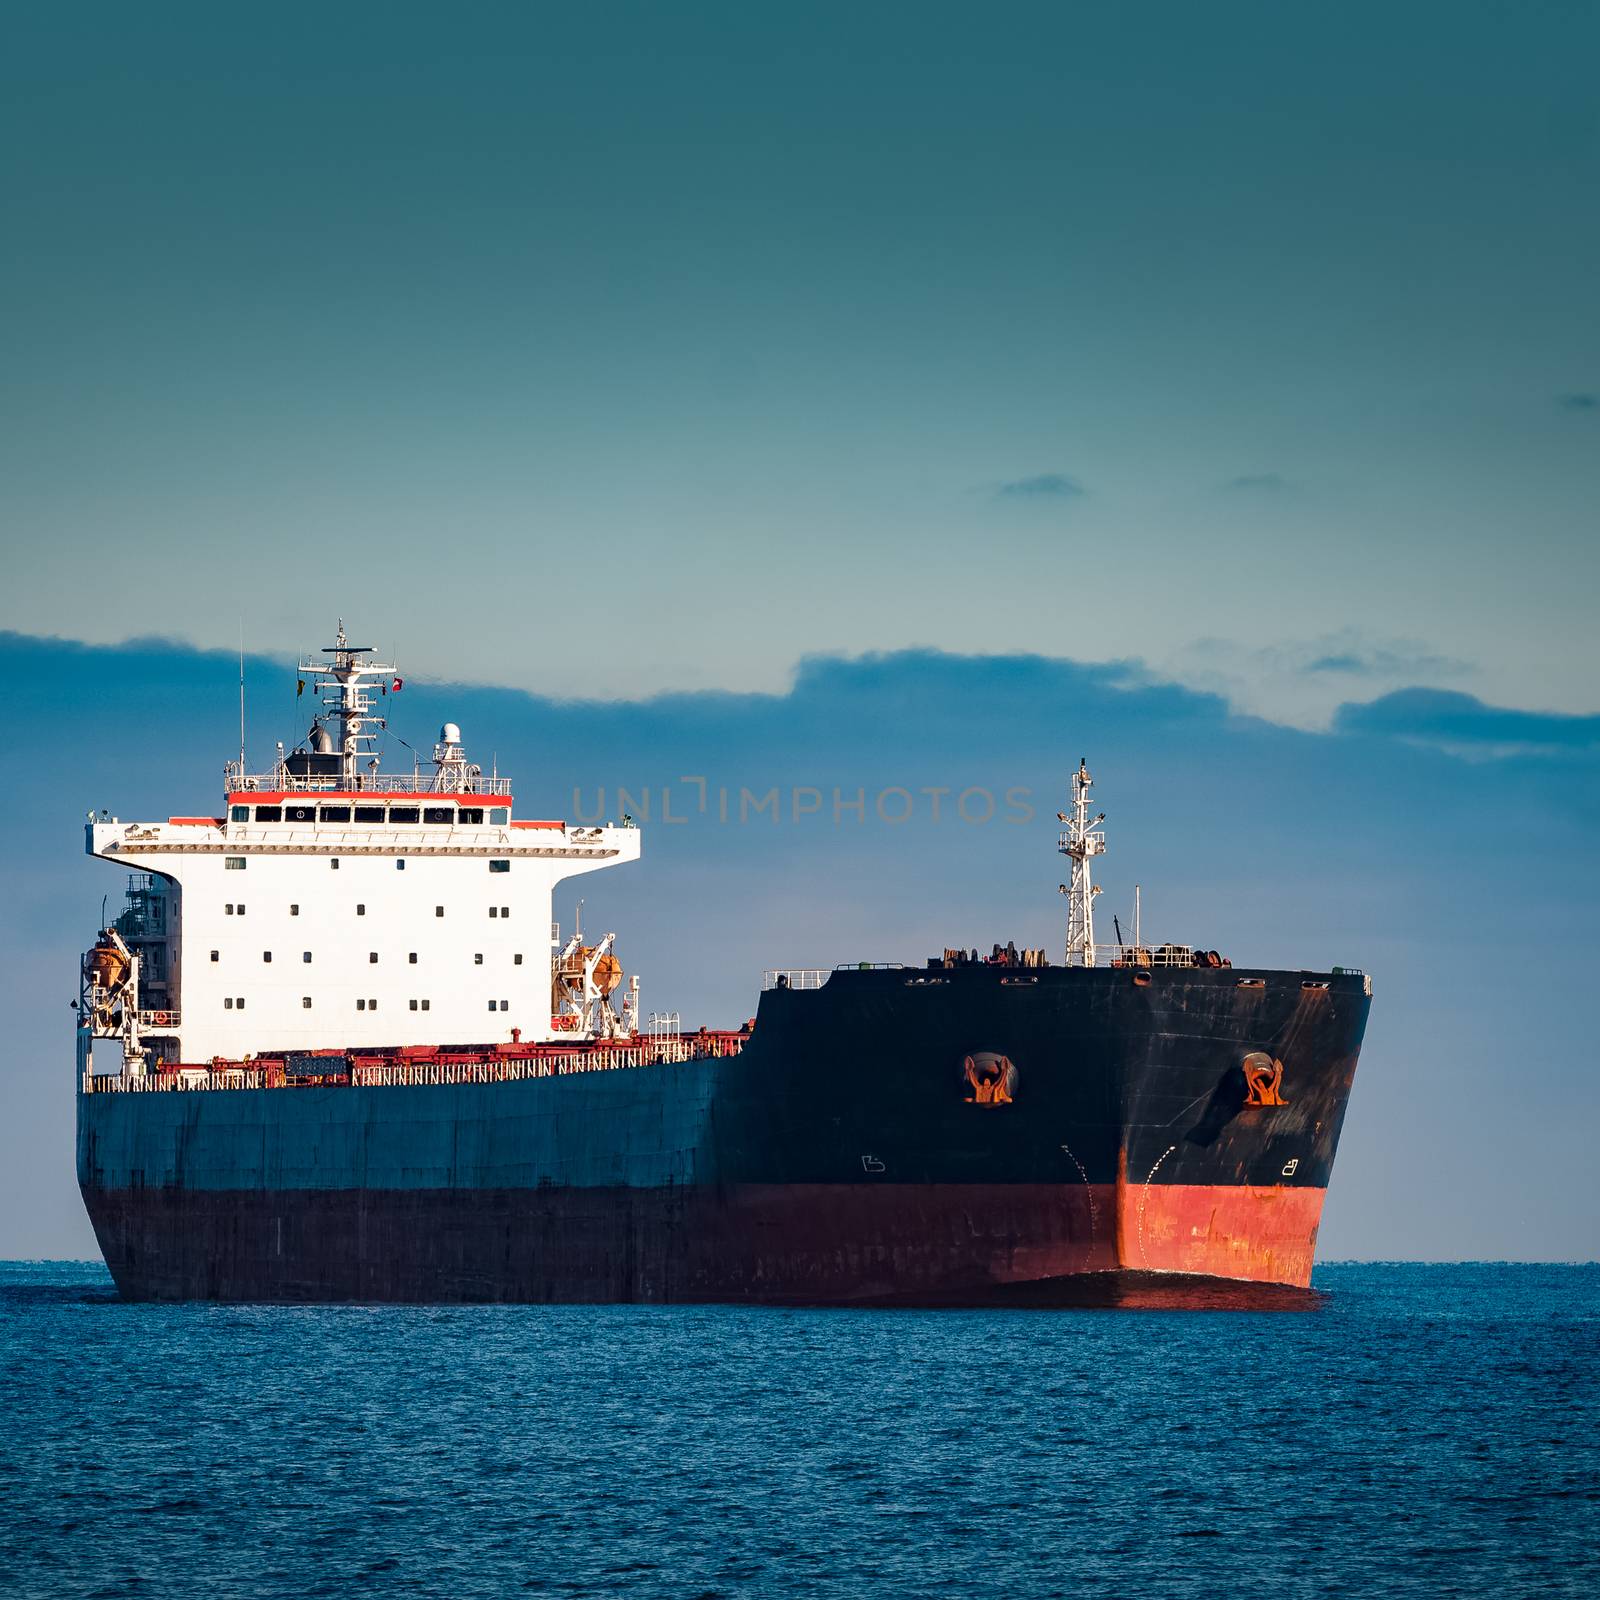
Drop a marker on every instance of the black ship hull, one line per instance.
(966, 1136)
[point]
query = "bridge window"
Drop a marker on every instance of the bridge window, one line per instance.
(369, 813)
(499, 816)
(469, 816)
(300, 813)
(269, 813)
(334, 813)
(239, 813)
(499, 866)
(403, 813)
(439, 814)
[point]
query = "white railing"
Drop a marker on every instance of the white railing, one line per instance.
(794, 978)
(376, 783)
(664, 1051)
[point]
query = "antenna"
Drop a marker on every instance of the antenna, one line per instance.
(1138, 944)
(241, 694)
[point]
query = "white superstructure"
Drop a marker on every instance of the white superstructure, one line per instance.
(336, 906)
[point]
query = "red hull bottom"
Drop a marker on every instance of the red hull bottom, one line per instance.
(895, 1244)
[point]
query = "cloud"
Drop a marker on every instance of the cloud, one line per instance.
(1464, 726)
(1046, 486)
(1386, 662)
(1279, 847)
(1579, 402)
(1303, 682)
(1256, 482)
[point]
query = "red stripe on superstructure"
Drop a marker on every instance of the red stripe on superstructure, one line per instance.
(538, 824)
(268, 797)
(195, 822)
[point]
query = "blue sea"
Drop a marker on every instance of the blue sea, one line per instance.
(1423, 1430)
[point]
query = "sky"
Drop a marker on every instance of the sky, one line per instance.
(621, 349)
(841, 398)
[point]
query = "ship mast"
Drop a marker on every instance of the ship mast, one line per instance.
(1080, 842)
(346, 684)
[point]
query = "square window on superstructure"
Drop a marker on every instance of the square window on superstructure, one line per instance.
(361, 1005)
(499, 816)
(516, 960)
(372, 957)
(299, 813)
(240, 908)
(491, 1005)
(494, 911)
(439, 816)
(500, 866)
(400, 865)
(305, 956)
(438, 911)
(233, 863)
(305, 1001)
(333, 813)
(269, 813)
(333, 862)
(361, 911)
(369, 813)
(469, 816)
(505, 911)
(372, 1005)
(216, 955)
(404, 814)
(413, 1005)
(412, 958)
(227, 1002)
(505, 1005)
(238, 1005)
(294, 911)
(425, 1005)
(228, 908)
(239, 813)
(477, 960)
(266, 955)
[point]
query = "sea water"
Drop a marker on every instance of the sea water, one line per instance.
(1423, 1430)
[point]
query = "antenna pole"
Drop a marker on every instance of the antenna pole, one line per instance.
(1081, 843)
(241, 695)
(1137, 941)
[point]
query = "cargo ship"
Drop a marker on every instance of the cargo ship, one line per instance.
(346, 1054)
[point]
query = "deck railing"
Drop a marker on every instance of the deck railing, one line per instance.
(406, 1074)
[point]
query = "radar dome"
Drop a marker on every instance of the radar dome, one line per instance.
(450, 734)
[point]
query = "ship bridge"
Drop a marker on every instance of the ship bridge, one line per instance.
(334, 905)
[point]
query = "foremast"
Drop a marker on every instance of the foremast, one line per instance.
(1081, 843)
